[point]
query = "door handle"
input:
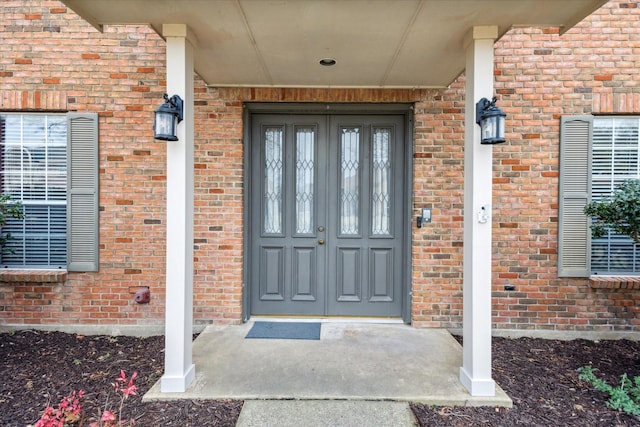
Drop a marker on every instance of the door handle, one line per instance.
(321, 242)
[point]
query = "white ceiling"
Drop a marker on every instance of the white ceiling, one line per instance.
(376, 43)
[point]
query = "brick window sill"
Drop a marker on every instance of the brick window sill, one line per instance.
(614, 282)
(33, 276)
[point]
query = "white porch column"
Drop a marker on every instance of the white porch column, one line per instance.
(179, 371)
(475, 373)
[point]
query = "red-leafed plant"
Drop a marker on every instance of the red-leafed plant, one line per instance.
(69, 410)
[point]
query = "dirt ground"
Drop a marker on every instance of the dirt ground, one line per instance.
(540, 376)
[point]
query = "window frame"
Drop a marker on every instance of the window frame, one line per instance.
(30, 149)
(82, 190)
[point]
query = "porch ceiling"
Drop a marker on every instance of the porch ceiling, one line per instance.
(376, 43)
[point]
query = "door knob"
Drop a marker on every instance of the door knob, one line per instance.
(321, 242)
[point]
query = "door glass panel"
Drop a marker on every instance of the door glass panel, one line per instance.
(305, 153)
(273, 174)
(380, 195)
(349, 180)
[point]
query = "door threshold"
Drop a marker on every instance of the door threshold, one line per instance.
(316, 319)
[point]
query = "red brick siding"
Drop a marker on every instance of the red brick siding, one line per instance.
(540, 75)
(72, 68)
(593, 68)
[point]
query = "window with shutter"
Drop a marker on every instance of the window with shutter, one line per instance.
(34, 169)
(596, 155)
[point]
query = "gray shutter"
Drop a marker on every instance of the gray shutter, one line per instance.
(82, 192)
(575, 180)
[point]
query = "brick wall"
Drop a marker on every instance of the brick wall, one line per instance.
(52, 60)
(540, 75)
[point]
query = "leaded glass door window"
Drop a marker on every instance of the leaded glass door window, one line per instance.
(273, 180)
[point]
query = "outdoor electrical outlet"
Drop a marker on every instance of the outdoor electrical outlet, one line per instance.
(426, 217)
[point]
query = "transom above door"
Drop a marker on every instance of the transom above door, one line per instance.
(327, 209)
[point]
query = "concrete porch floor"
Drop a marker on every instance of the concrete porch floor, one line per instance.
(351, 361)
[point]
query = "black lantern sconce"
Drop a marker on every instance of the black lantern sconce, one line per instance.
(491, 121)
(167, 117)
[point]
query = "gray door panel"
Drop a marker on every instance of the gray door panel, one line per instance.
(364, 274)
(326, 209)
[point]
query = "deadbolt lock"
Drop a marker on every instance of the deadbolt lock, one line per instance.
(321, 229)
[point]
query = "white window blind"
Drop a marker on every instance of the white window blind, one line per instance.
(615, 159)
(33, 160)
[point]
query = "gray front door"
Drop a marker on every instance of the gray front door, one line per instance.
(326, 210)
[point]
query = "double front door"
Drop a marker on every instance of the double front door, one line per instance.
(326, 215)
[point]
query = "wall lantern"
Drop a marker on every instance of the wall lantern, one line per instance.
(491, 121)
(167, 117)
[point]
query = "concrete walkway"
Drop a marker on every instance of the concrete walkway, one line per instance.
(356, 374)
(325, 413)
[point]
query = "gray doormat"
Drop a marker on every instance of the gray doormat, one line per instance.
(285, 330)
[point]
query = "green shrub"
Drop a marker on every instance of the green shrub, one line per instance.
(620, 214)
(8, 209)
(625, 397)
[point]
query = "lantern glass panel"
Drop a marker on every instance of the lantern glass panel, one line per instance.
(500, 128)
(166, 123)
(489, 128)
(492, 129)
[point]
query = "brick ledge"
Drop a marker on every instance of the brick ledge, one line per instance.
(614, 282)
(33, 276)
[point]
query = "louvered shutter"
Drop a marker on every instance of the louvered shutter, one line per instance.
(82, 192)
(573, 228)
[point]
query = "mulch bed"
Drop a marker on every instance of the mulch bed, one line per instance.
(41, 367)
(540, 376)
